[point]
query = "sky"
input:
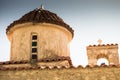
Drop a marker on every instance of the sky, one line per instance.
(90, 19)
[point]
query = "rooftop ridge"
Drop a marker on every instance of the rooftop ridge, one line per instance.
(57, 67)
(42, 60)
(103, 45)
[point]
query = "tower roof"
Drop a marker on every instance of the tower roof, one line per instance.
(41, 16)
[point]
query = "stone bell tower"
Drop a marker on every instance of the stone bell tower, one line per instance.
(108, 51)
(39, 35)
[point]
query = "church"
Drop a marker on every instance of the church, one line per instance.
(40, 50)
(40, 35)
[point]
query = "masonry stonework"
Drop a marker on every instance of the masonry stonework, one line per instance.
(109, 52)
(96, 73)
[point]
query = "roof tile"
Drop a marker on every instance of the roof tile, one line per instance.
(41, 16)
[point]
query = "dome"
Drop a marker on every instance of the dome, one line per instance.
(41, 16)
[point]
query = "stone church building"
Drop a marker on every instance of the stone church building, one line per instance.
(40, 51)
(39, 35)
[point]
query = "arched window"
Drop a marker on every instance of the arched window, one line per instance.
(102, 61)
(34, 47)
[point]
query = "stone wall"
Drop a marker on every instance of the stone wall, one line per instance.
(80, 73)
(108, 51)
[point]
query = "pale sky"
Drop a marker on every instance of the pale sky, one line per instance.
(90, 19)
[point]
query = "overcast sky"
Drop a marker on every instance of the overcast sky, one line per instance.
(90, 19)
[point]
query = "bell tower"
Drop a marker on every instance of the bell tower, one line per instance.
(108, 51)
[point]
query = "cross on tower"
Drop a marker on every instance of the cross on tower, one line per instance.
(41, 7)
(99, 41)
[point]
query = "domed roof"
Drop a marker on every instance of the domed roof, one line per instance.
(41, 16)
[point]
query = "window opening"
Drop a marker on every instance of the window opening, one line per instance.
(34, 50)
(34, 37)
(34, 47)
(102, 61)
(34, 44)
(34, 56)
